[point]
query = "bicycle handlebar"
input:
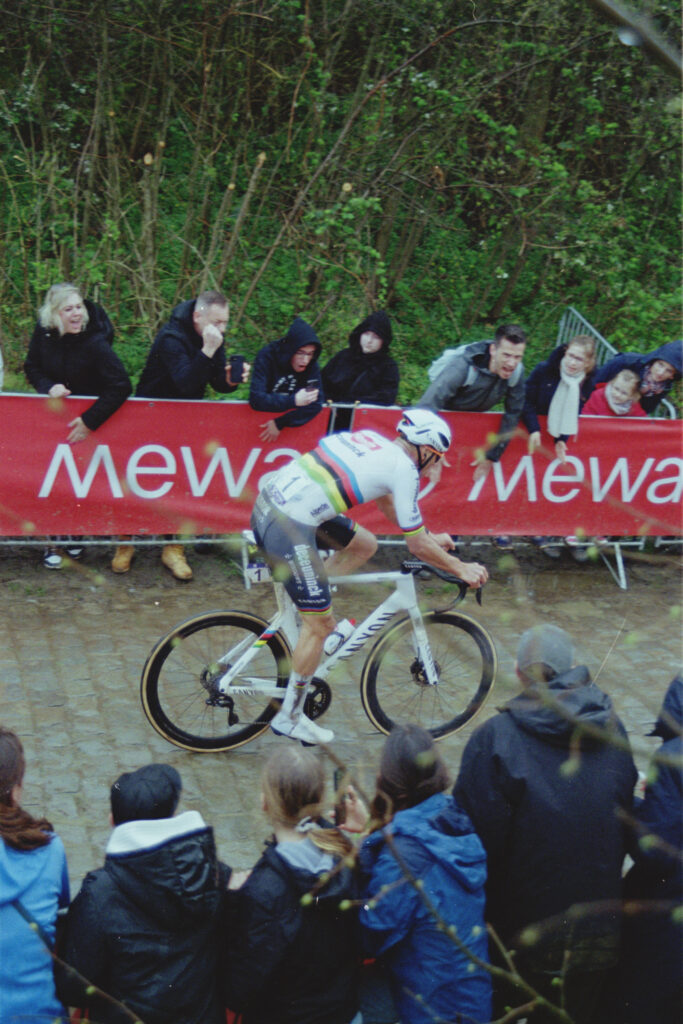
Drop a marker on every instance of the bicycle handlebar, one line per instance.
(415, 567)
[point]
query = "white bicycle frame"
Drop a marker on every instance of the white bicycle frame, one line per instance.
(402, 598)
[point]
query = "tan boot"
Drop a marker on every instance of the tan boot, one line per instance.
(173, 557)
(123, 556)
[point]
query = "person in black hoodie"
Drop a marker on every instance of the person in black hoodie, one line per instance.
(187, 355)
(547, 783)
(70, 353)
(144, 928)
(293, 953)
(363, 371)
(286, 380)
(188, 352)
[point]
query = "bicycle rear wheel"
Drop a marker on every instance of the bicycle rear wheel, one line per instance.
(178, 685)
(393, 688)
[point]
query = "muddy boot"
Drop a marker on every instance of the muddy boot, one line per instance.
(123, 556)
(173, 557)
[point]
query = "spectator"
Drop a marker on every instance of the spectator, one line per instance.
(545, 782)
(33, 886)
(187, 355)
(651, 970)
(558, 388)
(479, 376)
(70, 353)
(657, 371)
(294, 959)
(363, 371)
(421, 830)
(287, 381)
(145, 927)
(618, 397)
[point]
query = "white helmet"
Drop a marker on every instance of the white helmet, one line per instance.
(422, 426)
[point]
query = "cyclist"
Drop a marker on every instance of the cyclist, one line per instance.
(302, 505)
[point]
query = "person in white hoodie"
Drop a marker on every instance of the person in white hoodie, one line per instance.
(144, 927)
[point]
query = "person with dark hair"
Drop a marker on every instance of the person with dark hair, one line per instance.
(419, 832)
(476, 377)
(144, 928)
(293, 953)
(546, 783)
(650, 983)
(34, 885)
(70, 354)
(657, 370)
(287, 381)
(187, 356)
(363, 371)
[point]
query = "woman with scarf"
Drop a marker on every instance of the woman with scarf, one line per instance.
(558, 388)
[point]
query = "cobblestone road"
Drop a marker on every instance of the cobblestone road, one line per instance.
(76, 640)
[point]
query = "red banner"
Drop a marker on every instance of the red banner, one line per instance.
(193, 467)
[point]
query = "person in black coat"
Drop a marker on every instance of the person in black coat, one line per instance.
(188, 353)
(70, 353)
(547, 783)
(650, 984)
(286, 380)
(363, 371)
(293, 947)
(145, 928)
(558, 388)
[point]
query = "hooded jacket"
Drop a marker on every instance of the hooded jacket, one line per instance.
(85, 363)
(144, 927)
(274, 383)
(545, 797)
(671, 352)
(353, 376)
(651, 981)
(39, 879)
(291, 962)
(467, 385)
(436, 841)
(542, 385)
(176, 367)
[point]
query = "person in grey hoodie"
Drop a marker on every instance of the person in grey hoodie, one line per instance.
(479, 376)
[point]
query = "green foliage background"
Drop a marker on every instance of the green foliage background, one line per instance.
(460, 164)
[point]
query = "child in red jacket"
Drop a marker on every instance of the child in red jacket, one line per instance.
(618, 397)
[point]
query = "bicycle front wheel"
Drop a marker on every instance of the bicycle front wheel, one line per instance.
(178, 685)
(393, 686)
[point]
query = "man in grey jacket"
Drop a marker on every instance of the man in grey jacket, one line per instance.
(479, 376)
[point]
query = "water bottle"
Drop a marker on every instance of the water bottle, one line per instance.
(337, 637)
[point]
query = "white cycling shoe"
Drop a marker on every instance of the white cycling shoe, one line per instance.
(300, 728)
